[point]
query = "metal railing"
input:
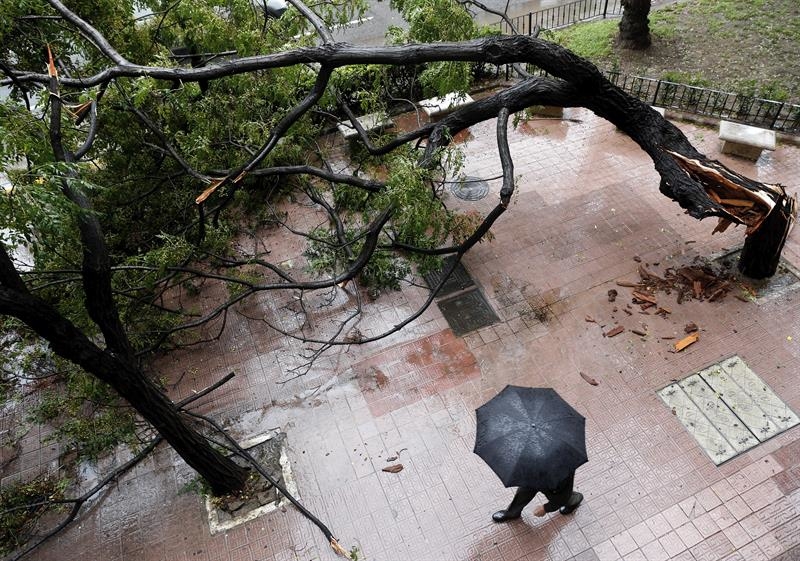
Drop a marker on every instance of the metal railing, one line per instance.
(764, 113)
(562, 16)
(750, 110)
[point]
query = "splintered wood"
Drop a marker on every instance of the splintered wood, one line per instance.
(742, 200)
(700, 282)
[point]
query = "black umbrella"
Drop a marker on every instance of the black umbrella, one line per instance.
(530, 437)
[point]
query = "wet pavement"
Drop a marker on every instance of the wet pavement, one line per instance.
(587, 213)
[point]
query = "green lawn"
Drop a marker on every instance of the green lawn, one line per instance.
(746, 46)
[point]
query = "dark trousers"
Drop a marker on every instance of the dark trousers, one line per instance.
(562, 495)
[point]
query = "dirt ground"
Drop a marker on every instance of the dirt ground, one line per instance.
(751, 48)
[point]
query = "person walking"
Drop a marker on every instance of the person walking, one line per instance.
(562, 499)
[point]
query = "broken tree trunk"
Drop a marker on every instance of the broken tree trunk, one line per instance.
(765, 209)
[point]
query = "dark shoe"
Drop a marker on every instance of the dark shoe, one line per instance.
(503, 516)
(574, 502)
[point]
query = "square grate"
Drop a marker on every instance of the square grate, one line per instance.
(460, 279)
(467, 312)
(728, 408)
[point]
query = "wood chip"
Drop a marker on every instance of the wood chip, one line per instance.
(637, 295)
(590, 319)
(639, 332)
(663, 311)
(686, 341)
(393, 468)
(690, 327)
(589, 379)
(629, 284)
(616, 331)
(697, 289)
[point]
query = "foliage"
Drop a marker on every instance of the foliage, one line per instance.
(17, 515)
(87, 414)
(685, 78)
(431, 21)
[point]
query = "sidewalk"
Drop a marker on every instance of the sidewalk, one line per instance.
(587, 213)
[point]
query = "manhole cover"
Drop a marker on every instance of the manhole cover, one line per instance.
(728, 408)
(469, 188)
(458, 280)
(467, 312)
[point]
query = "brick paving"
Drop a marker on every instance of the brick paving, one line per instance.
(586, 213)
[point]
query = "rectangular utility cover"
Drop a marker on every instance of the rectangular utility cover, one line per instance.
(728, 408)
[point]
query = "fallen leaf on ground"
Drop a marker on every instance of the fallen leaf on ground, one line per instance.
(393, 468)
(690, 327)
(686, 341)
(589, 379)
(616, 331)
(590, 319)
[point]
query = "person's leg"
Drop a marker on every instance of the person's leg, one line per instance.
(522, 497)
(573, 503)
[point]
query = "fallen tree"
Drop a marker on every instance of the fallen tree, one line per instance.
(132, 125)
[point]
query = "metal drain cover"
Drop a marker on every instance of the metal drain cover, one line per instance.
(469, 188)
(467, 312)
(460, 279)
(728, 408)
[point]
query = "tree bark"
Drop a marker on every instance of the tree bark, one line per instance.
(66, 340)
(69, 342)
(634, 27)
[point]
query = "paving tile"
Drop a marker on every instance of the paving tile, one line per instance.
(624, 543)
(672, 543)
(689, 535)
(650, 489)
(606, 551)
(636, 555)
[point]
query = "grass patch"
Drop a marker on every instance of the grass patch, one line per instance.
(750, 47)
(594, 41)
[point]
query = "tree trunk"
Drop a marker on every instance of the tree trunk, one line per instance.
(761, 252)
(66, 340)
(634, 27)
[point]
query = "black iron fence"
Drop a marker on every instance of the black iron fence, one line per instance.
(775, 115)
(764, 113)
(561, 16)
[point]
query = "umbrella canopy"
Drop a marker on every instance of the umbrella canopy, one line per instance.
(530, 437)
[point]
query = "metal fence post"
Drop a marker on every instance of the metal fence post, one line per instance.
(605, 9)
(530, 21)
(655, 96)
(778, 114)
